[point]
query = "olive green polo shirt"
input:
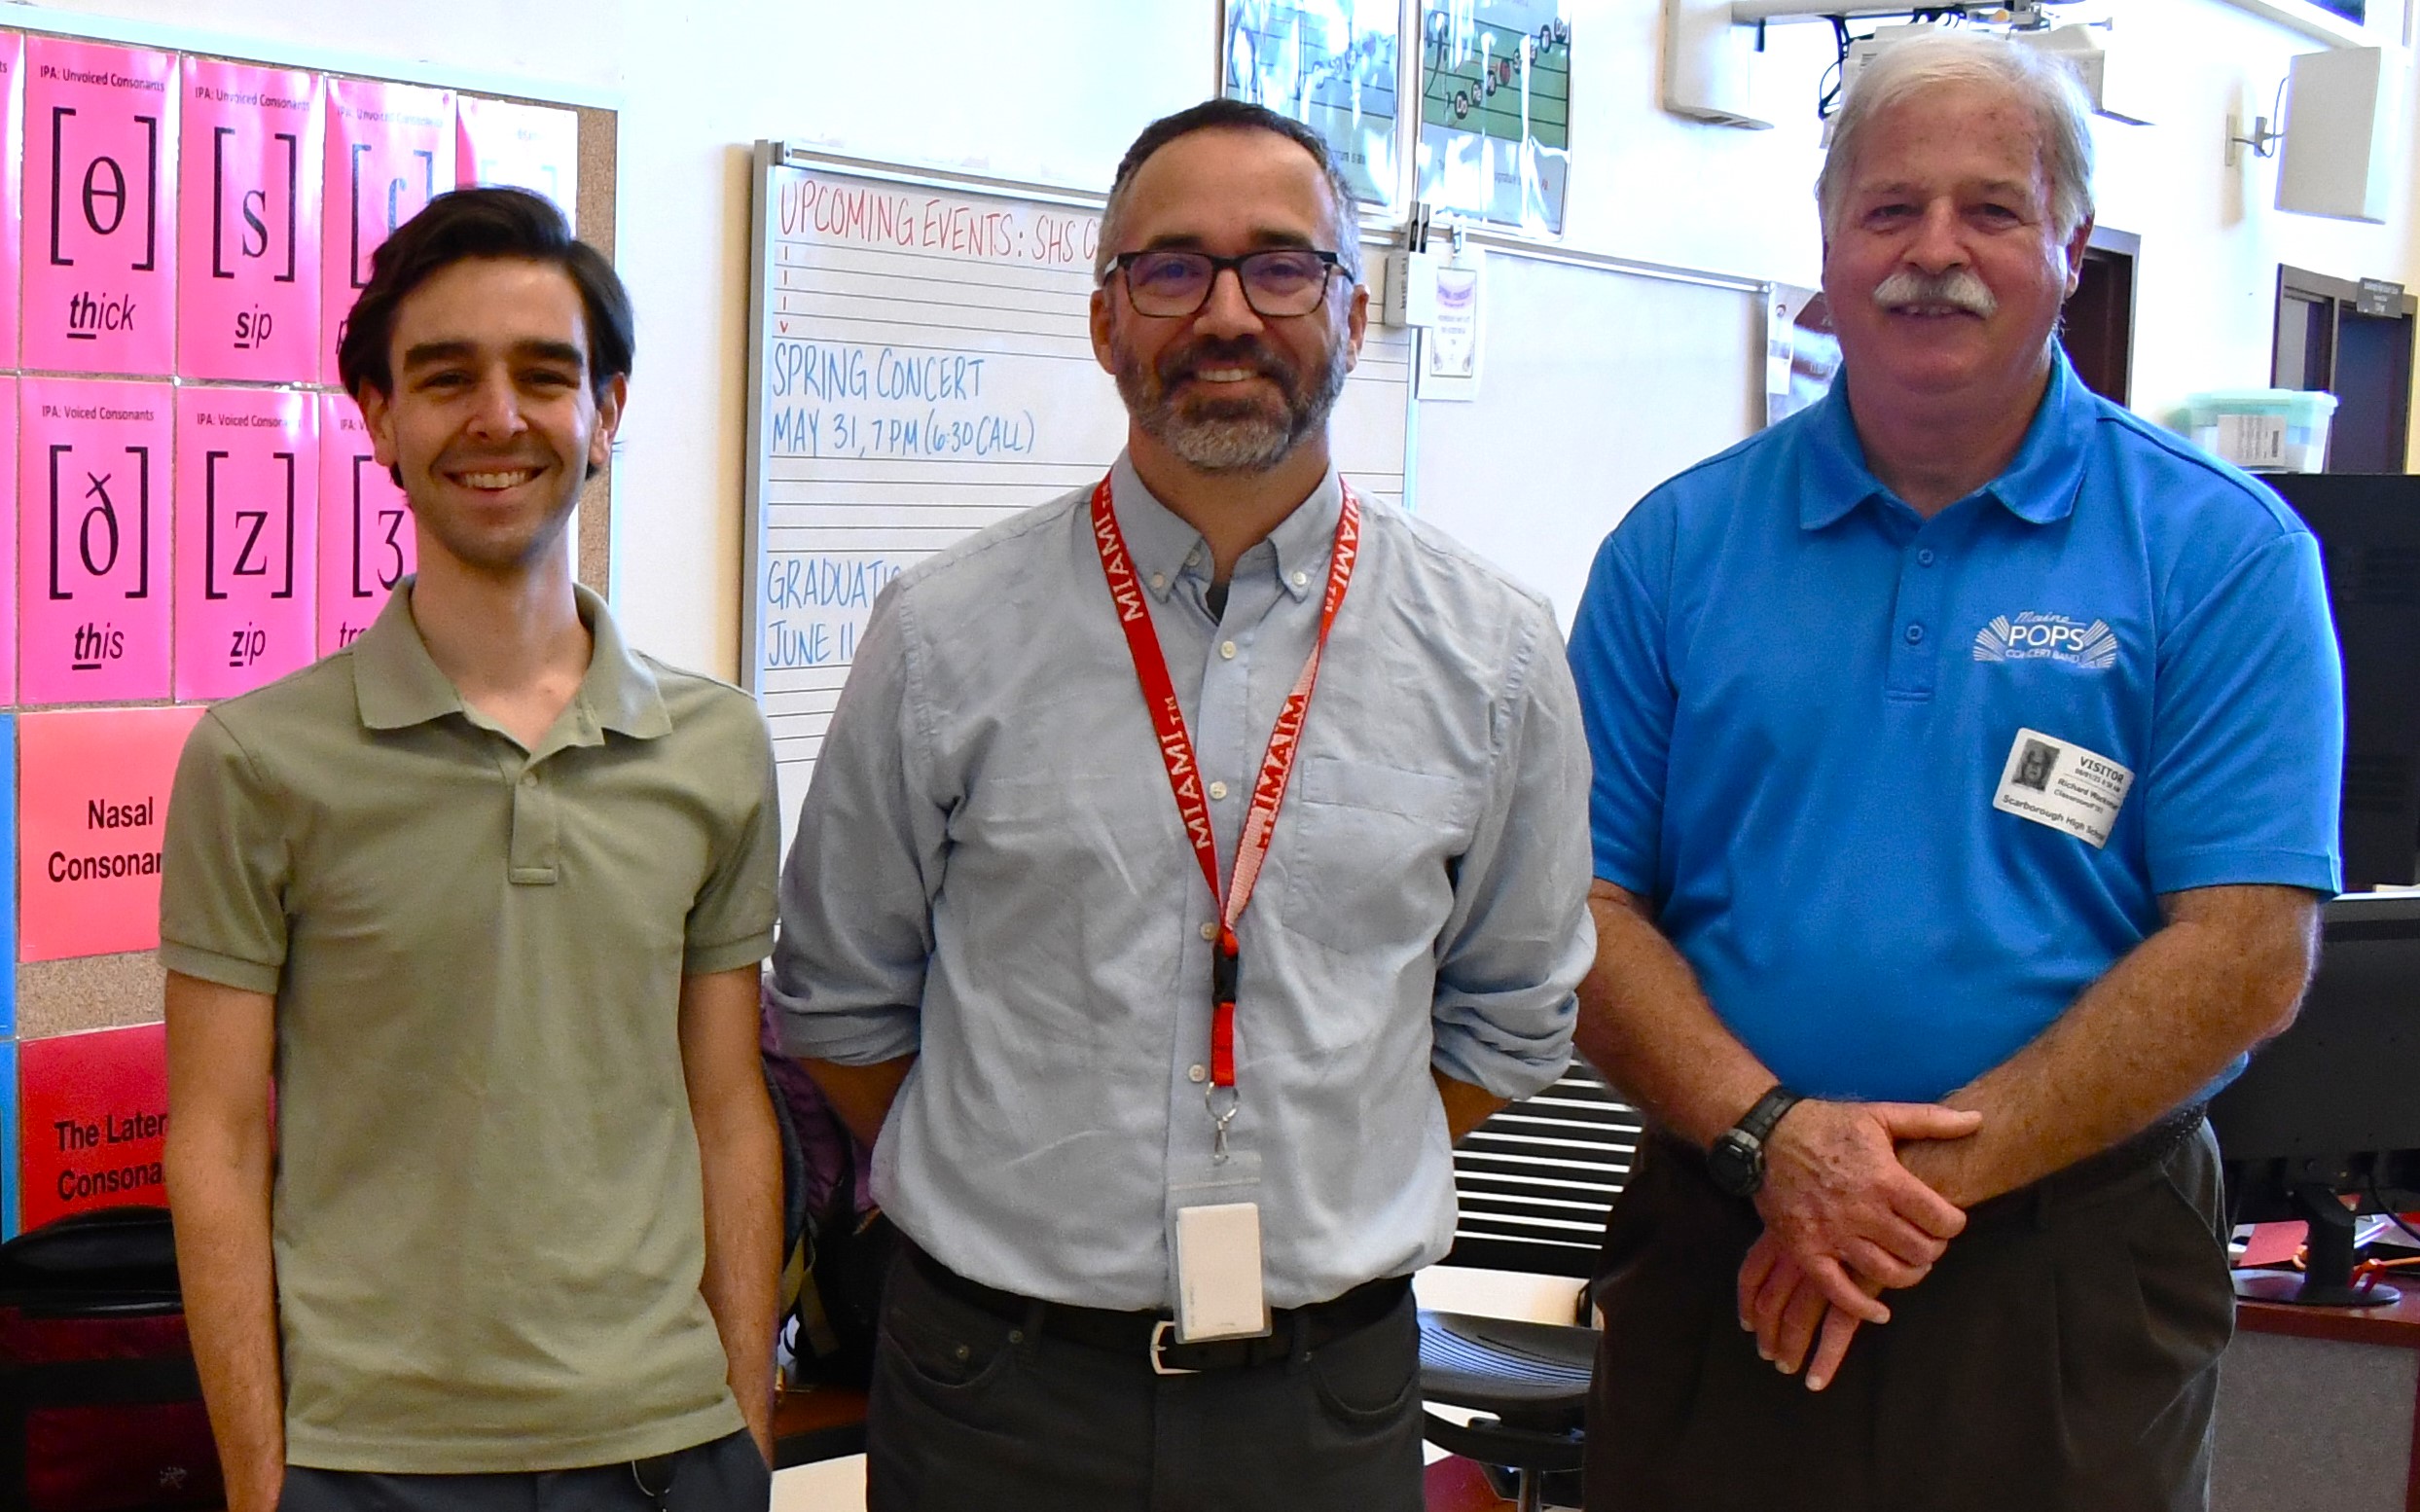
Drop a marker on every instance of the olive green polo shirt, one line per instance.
(487, 1221)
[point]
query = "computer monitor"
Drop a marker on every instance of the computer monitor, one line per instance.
(2368, 530)
(2331, 1108)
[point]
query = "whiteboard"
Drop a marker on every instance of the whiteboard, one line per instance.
(920, 365)
(1597, 382)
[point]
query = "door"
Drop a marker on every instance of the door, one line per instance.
(2324, 341)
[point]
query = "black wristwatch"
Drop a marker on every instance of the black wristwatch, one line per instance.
(1736, 1163)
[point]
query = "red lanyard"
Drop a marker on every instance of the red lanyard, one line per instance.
(1184, 777)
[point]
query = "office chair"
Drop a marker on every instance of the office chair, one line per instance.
(1534, 1183)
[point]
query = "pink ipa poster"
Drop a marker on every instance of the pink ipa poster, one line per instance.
(391, 151)
(248, 240)
(248, 520)
(100, 212)
(8, 542)
(532, 147)
(11, 182)
(365, 527)
(91, 808)
(93, 540)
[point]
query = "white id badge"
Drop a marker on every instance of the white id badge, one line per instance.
(1214, 1238)
(2061, 784)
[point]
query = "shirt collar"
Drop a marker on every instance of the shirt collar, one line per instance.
(2039, 485)
(398, 684)
(1161, 544)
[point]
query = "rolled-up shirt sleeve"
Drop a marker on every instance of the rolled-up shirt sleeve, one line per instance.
(1519, 938)
(857, 891)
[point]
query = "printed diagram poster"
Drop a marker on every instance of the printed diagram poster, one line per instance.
(389, 151)
(92, 803)
(92, 1120)
(99, 248)
(92, 541)
(532, 147)
(247, 524)
(1495, 109)
(366, 545)
(11, 183)
(1331, 66)
(248, 240)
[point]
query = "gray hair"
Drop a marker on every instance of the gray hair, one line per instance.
(2043, 83)
(1230, 115)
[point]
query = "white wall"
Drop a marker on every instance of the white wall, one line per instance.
(1051, 89)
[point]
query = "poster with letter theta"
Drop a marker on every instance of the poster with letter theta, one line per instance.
(365, 543)
(93, 805)
(247, 524)
(11, 183)
(532, 147)
(248, 240)
(93, 1118)
(100, 208)
(391, 151)
(93, 495)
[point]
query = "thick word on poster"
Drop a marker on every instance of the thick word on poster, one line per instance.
(93, 1113)
(100, 246)
(248, 240)
(11, 182)
(93, 540)
(527, 146)
(92, 803)
(247, 522)
(391, 151)
(365, 527)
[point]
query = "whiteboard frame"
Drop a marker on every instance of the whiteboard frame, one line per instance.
(770, 155)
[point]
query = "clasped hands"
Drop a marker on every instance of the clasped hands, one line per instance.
(1846, 1218)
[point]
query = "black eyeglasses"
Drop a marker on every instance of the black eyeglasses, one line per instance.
(1280, 282)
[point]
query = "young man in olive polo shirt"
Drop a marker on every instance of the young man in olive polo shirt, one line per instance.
(484, 897)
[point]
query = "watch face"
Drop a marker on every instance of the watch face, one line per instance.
(1736, 1163)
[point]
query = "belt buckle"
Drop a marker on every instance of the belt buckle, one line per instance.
(1159, 1339)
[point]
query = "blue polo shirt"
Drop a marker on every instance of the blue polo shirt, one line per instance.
(1802, 697)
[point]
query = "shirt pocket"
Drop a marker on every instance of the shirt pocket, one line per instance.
(1369, 850)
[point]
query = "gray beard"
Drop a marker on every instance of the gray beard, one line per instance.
(1216, 437)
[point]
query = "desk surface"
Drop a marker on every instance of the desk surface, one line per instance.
(2397, 1326)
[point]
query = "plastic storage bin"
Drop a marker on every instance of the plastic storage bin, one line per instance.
(2274, 430)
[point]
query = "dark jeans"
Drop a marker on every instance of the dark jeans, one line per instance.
(2063, 1356)
(723, 1475)
(974, 1412)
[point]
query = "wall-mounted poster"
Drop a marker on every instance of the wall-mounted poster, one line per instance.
(366, 545)
(1495, 109)
(391, 151)
(12, 184)
(532, 147)
(93, 540)
(95, 1115)
(249, 246)
(247, 524)
(1802, 350)
(92, 806)
(99, 247)
(1331, 64)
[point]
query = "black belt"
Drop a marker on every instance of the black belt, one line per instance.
(1152, 1334)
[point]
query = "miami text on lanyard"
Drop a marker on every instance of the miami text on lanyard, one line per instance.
(1184, 777)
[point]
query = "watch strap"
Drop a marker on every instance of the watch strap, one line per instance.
(1758, 1121)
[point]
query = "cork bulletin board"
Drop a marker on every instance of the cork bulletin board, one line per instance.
(192, 509)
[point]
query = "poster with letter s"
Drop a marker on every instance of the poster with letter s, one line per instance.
(248, 240)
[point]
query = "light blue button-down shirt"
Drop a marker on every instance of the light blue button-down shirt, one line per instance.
(990, 874)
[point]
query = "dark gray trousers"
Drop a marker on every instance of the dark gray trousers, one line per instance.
(974, 1412)
(723, 1475)
(2063, 1356)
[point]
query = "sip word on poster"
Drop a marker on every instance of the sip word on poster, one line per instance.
(93, 540)
(389, 151)
(247, 519)
(248, 240)
(99, 242)
(366, 545)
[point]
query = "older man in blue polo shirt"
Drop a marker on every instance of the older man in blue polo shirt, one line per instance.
(1966, 769)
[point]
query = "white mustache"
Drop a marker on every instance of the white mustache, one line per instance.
(1958, 288)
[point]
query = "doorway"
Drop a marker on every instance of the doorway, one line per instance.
(2325, 341)
(2097, 326)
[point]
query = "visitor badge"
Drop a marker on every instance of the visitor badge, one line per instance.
(2061, 784)
(1213, 1233)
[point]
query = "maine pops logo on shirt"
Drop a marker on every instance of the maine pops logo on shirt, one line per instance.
(2037, 636)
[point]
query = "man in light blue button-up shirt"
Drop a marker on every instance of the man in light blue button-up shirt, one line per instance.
(998, 942)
